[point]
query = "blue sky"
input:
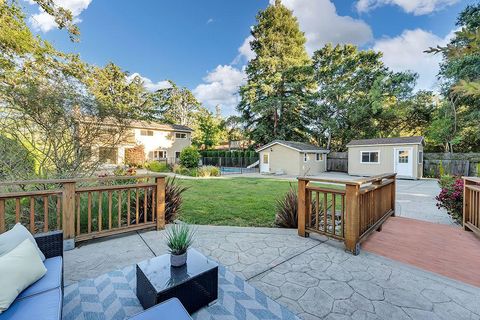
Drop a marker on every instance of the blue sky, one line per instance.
(203, 45)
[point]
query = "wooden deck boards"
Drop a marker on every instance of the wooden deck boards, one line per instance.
(446, 250)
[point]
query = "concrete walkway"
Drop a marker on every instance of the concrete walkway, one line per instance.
(313, 277)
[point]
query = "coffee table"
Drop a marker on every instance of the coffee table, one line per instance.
(194, 284)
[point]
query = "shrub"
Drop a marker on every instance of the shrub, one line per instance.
(173, 202)
(173, 199)
(179, 169)
(135, 156)
(124, 171)
(189, 157)
(286, 209)
(208, 171)
(451, 196)
(157, 166)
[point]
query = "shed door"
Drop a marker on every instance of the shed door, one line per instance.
(404, 162)
(265, 162)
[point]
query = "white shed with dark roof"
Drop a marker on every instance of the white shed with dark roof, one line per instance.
(403, 155)
(292, 158)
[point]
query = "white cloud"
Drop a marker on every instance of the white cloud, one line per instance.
(44, 22)
(245, 52)
(221, 87)
(210, 20)
(406, 52)
(322, 24)
(417, 7)
(149, 84)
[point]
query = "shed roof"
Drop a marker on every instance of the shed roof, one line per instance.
(386, 141)
(298, 146)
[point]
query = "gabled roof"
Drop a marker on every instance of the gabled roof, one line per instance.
(159, 126)
(298, 146)
(386, 141)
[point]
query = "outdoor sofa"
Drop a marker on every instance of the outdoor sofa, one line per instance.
(43, 299)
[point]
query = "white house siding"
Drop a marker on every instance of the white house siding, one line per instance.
(159, 141)
(312, 167)
(282, 159)
(386, 157)
(291, 162)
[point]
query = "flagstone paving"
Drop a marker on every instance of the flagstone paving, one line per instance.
(313, 277)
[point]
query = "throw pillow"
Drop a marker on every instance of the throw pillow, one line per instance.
(19, 268)
(15, 236)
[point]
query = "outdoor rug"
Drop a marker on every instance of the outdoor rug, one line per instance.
(112, 297)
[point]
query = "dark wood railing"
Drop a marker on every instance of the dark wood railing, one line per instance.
(345, 210)
(471, 204)
(85, 208)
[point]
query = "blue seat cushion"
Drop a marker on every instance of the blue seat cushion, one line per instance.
(43, 306)
(171, 309)
(51, 280)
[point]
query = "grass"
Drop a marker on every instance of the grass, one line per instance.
(232, 201)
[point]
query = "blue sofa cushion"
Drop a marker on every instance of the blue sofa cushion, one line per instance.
(51, 280)
(171, 309)
(43, 306)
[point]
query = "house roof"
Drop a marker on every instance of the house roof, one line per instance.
(298, 146)
(159, 126)
(142, 124)
(386, 141)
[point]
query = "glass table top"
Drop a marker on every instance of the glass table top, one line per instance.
(163, 276)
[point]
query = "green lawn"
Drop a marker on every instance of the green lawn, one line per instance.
(232, 201)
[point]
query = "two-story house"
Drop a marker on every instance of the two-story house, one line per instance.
(162, 142)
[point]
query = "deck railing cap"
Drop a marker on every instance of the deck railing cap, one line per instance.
(357, 182)
(73, 180)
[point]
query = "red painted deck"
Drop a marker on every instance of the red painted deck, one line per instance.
(446, 250)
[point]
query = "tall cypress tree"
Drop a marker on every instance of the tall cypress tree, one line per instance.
(280, 79)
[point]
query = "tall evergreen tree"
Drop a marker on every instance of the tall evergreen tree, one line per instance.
(280, 80)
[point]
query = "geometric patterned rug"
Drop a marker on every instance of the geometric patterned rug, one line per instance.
(112, 297)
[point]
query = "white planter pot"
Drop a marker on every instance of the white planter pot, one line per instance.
(178, 260)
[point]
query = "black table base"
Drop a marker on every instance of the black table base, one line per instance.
(195, 291)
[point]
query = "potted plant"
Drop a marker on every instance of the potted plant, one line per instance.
(179, 238)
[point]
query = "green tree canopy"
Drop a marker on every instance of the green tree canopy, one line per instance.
(279, 78)
(359, 97)
(176, 105)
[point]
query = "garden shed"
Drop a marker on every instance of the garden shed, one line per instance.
(292, 158)
(402, 155)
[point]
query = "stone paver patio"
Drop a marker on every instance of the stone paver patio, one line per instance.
(314, 277)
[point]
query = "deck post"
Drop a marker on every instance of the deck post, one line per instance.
(301, 210)
(352, 218)
(68, 210)
(160, 202)
(466, 204)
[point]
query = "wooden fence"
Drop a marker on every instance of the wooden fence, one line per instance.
(337, 161)
(346, 210)
(456, 164)
(85, 208)
(471, 204)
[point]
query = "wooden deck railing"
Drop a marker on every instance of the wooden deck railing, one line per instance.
(348, 210)
(471, 204)
(85, 208)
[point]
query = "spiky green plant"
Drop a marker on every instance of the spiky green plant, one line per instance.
(179, 238)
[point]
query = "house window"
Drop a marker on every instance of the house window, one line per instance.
(420, 157)
(177, 154)
(369, 157)
(180, 135)
(305, 157)
(157, 154)
(403, 156)
(319, 157)
(108, 155)
(146, 133)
